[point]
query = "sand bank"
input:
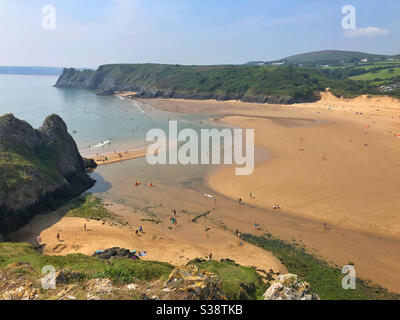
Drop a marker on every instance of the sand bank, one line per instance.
(116, 157)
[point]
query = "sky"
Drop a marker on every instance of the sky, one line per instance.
(88, 33)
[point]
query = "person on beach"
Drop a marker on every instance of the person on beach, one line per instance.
(210, 256)
(237, 231)
(58, 236)
(84, 227)
(174, 213)
(38, 240)
(137, 232)
(141, 229)
(251, 195)
(240, 201)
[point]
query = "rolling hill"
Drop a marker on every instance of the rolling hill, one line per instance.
(329, 57)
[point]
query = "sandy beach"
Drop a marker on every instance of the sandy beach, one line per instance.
(336, 167)
(160, 243)
(116, 157)
(333, 162)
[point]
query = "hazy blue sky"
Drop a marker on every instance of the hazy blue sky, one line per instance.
(93, 32)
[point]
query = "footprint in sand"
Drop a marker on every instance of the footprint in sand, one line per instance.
(58, 248)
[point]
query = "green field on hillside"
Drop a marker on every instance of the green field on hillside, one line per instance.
(381, 74)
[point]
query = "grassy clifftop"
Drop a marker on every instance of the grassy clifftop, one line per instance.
(248, 83)
(278, 84)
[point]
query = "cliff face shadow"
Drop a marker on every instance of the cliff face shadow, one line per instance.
(101, 185)
(42, 221)
(50, 216)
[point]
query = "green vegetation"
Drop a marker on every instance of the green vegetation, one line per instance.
(156, 221)
(90, 207)
(255, 83)
(194, 220)
(238, 282)
(125, 270)
(325, 280)
(219, 82)
(378, 74)
(122, 270)
(18, 160)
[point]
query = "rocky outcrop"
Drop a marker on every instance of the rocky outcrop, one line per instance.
(37, 167)
(288, 287)
(106, 92)
(181, 94)
(190, 283)
(113, 253)
(15, 286)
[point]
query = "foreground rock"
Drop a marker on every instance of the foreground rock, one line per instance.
(190, 283)
(37, 166)
(19, 281)
(15, 286)
(114, 253)
(288, 287)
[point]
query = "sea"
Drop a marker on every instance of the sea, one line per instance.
(92, 120)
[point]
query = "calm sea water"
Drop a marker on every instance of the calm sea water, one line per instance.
(91, 119)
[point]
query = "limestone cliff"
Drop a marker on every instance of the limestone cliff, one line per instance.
(36, 167)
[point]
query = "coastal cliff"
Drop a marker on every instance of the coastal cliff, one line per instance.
(284, 85)
(37, 166)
